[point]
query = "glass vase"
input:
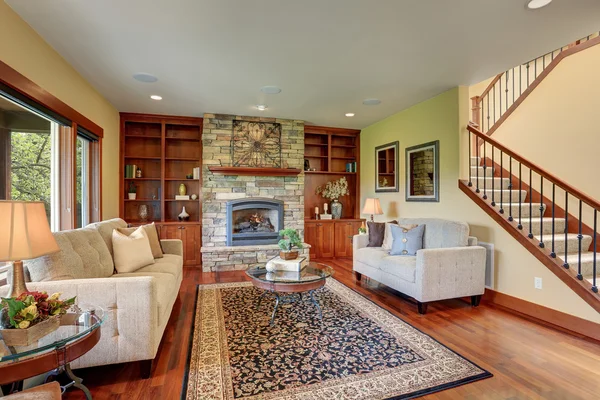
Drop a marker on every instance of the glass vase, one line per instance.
(336, 209)
(143, 212)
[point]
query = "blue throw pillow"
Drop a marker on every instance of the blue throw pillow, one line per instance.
(407, 242)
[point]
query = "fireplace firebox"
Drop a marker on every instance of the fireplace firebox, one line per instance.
(254, 221)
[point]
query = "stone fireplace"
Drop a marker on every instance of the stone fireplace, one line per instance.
(223, 193)
(254, 221)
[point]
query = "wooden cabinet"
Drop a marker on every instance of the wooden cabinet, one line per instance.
(189, 234)
(344, 231)
(330, 238)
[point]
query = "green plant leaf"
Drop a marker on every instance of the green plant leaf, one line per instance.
(14, 308)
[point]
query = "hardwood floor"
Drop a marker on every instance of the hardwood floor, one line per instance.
(528, 360)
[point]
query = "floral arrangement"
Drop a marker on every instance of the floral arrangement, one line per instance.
(334, 190)
(293, 240)
(31, 308)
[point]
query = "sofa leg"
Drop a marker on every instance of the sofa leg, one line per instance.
(475, 300)
(146, 367)
(358, 276)
(422, 307)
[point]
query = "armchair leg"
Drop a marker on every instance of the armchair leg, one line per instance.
(475, 300)
(146, 368)
(358, 276)
(422, 307)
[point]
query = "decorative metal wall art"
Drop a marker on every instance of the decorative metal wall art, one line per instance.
(256, 144)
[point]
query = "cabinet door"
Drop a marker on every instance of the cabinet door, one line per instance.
(326, 239)
(310, 237)
(344, 231)
(170, 232)
(190, 235)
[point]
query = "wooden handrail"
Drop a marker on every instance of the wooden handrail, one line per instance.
(539, 170)
(490, 86)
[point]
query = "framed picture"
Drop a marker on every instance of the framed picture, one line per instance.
(423, 172)
(386, 168)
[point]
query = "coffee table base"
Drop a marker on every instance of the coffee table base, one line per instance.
(288, 299)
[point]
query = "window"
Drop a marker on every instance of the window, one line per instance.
(82, 197)
(28, 145)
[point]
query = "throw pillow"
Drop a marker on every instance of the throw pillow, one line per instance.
(152, 233)
(388, 239)
(407, 242)
(131, 252)
(376, 233)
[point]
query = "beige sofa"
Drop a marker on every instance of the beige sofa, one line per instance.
(137, 305)
(450, 265)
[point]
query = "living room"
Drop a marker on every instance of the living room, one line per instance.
(298, 200)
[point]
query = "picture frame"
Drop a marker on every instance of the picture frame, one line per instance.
(386, 168)
(423, 172)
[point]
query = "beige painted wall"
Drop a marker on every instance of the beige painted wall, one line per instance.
(24, 50)
(444, 118)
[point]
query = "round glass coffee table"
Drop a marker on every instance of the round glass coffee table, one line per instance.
(78, 333)
(288, 286)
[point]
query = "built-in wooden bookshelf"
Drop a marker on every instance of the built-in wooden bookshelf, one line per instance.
(166, 149)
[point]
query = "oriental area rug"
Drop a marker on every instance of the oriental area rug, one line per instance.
(357, 351)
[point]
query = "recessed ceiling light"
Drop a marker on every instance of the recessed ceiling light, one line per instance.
(143, 77)
(156, 97)
(349, 114)
(537, 4)
(261, 107)
(270, 89)
(371, 102)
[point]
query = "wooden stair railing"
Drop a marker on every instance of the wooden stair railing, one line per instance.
(510, 88)
(505, 185)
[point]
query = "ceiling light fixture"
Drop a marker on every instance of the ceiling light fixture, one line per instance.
(349, 114)
(156, 97)
(261, 107)
(270, 89)
(371, 102)
(537, 4)
(143, 77)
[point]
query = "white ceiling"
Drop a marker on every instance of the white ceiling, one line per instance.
(326, 55)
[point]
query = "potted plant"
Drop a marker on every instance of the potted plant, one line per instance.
(31, 316)
(286, 245)
(132, 191)
(333, 191)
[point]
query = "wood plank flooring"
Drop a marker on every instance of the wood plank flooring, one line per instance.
(528, 360)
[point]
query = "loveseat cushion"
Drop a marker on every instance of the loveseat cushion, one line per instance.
(403, 267)
(106, 228)
(371, 256)
(83, 254)
(440, 233)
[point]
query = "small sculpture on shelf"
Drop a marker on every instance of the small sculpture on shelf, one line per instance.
(184, 216)
(194, 196)
(333, 191)
(132, 191)
(138, 173)
(286, 245)
(182, 189)
(143, 212)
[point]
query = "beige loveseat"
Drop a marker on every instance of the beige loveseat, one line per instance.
(137, 305)
(450, 265)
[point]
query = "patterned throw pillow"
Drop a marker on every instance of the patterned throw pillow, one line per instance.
(407, 242)
(377, 233)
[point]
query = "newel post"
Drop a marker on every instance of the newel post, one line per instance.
(476, 111)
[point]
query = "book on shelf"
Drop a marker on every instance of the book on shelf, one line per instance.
(196, 172)
(326, 216)
(186, 197)
(130, 170)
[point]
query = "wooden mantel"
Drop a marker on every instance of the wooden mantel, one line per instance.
(254, 171)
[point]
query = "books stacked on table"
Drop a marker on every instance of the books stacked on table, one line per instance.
(286, 270)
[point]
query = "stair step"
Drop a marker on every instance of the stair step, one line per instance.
(536, 224)
(489, 171)
(572, 244)
(514, 210)
(505, 195)
(587, 261)
(475, 161)
(498, 183)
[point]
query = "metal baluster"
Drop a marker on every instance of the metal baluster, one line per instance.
(470, 166)
(493, 186)
(527, 75)
(530, 236)
(510, 186)
(520, 80)
(552, 253)
(541, 211)
(520, 225)
(513, 84)
(482, 120)
(500, 94)
(506, 91)
(566, 264)
(535, 69)
(594, 271)
(580, 239)
(484, 169)
(477, 163)
(501, 182)
(488, 113)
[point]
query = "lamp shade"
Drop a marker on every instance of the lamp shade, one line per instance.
(372, 207)
(24, 232)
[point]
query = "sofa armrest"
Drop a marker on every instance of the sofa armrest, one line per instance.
(172, 246)
(472, 241)
(448, 273)
(360, 241)
(130, 307)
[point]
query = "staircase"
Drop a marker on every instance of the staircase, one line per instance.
(556, 222)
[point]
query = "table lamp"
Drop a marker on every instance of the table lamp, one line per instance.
(372, 207)
(24, 234)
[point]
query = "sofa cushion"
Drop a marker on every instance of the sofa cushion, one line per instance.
(371, 256)
(168, 264)
(388, 238)
(403, 267)
(440, 233)
(131, 252)
(83, 254)
(152, 233)
(377, 233)
(106, 228)
(407, 241)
